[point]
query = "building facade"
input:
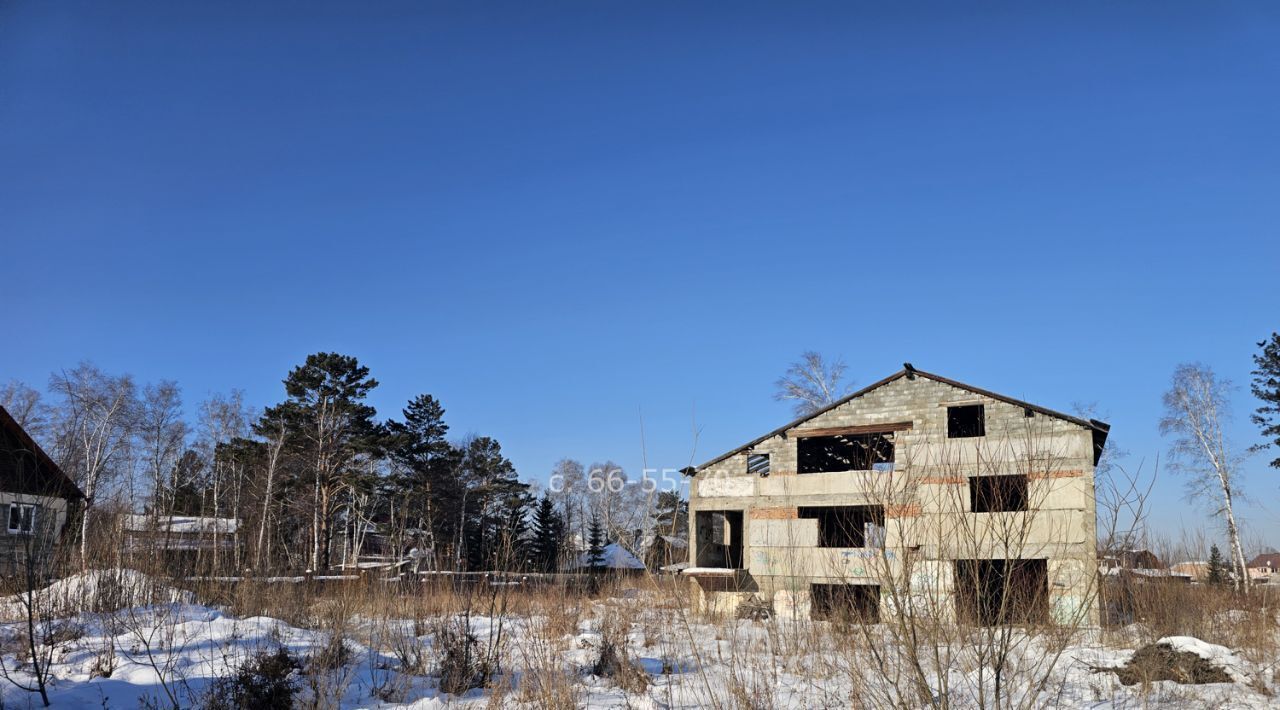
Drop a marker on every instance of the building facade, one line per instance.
(36, 499)
(917, 494)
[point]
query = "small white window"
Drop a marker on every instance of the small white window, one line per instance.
(22, 518)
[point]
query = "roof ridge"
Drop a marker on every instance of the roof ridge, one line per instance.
(8, 422)
(911, 372)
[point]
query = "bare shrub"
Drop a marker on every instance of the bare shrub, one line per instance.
(462, 662)
(267, 680)
(613, 659)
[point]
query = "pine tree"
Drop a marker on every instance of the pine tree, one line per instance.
(426, 483)
(672, 514)
(1217, 573)
(511, 534)
(492, 493)
(1266, 387)
(596, 542)
(329, 427)
(548, 535)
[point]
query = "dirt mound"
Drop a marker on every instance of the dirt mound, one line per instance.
(1164, 661)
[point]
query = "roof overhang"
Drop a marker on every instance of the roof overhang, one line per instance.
(1099, 429)
(65, 487)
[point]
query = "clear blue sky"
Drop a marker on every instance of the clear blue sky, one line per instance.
(556, 217)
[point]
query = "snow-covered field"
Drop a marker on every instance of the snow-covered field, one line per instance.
(170, 653)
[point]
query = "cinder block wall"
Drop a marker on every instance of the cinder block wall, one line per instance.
(925, 499)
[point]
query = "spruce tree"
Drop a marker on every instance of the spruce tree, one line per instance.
(1217, 573)
(1266, 387)
(596, 542)
(548, 535)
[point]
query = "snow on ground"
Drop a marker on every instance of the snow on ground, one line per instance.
(180, 524)
(146, 653)
(1220, 656)
(94, 590)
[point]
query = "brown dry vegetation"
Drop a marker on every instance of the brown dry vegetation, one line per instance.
(575, 636)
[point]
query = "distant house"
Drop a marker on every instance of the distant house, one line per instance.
(1134, 559)
(663, 552)
(36, 499)
(1264, 567)
(188, 543)
(1197, 570)
(1139, 566)
(616, 559)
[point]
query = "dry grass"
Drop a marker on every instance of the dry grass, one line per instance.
(1140, 613)
(721, 662)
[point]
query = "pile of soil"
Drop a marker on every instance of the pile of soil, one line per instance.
(1160, 661)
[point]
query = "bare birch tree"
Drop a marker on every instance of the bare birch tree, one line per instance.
(617, 501)
(95, 428)
(1196, 406)
(24, 405)
(163, 434)
(568, 488)
(275, 433)
(812, 383)
(224, 419)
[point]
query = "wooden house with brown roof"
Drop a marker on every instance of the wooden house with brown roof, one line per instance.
(36, 499)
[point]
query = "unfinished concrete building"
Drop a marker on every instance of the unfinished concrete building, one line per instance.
(917, 494)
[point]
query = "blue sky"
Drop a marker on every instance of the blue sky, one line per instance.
(561, 218)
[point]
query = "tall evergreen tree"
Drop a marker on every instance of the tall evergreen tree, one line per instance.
(596, 542)
(548, 535)
(1217, 572)
(1266, 387)
(426, 486)
(511, 536)
(330, 427)
(491, 492)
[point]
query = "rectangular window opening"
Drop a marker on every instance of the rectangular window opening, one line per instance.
(1002, 592)
(848, 525)
(859, 603)
(966, 421)
(22, 518)
(758, 464)
(718, 535)
(845, 452)
(998, 494)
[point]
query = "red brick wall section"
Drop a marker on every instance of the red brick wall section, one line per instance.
(902, 511)
(775, 513)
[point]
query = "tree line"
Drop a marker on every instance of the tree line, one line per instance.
(317, 481)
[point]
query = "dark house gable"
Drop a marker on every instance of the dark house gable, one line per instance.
(25, 468)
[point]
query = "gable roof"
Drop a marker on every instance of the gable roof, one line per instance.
(1267, 559)
(60, 482)
(1099, 429)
